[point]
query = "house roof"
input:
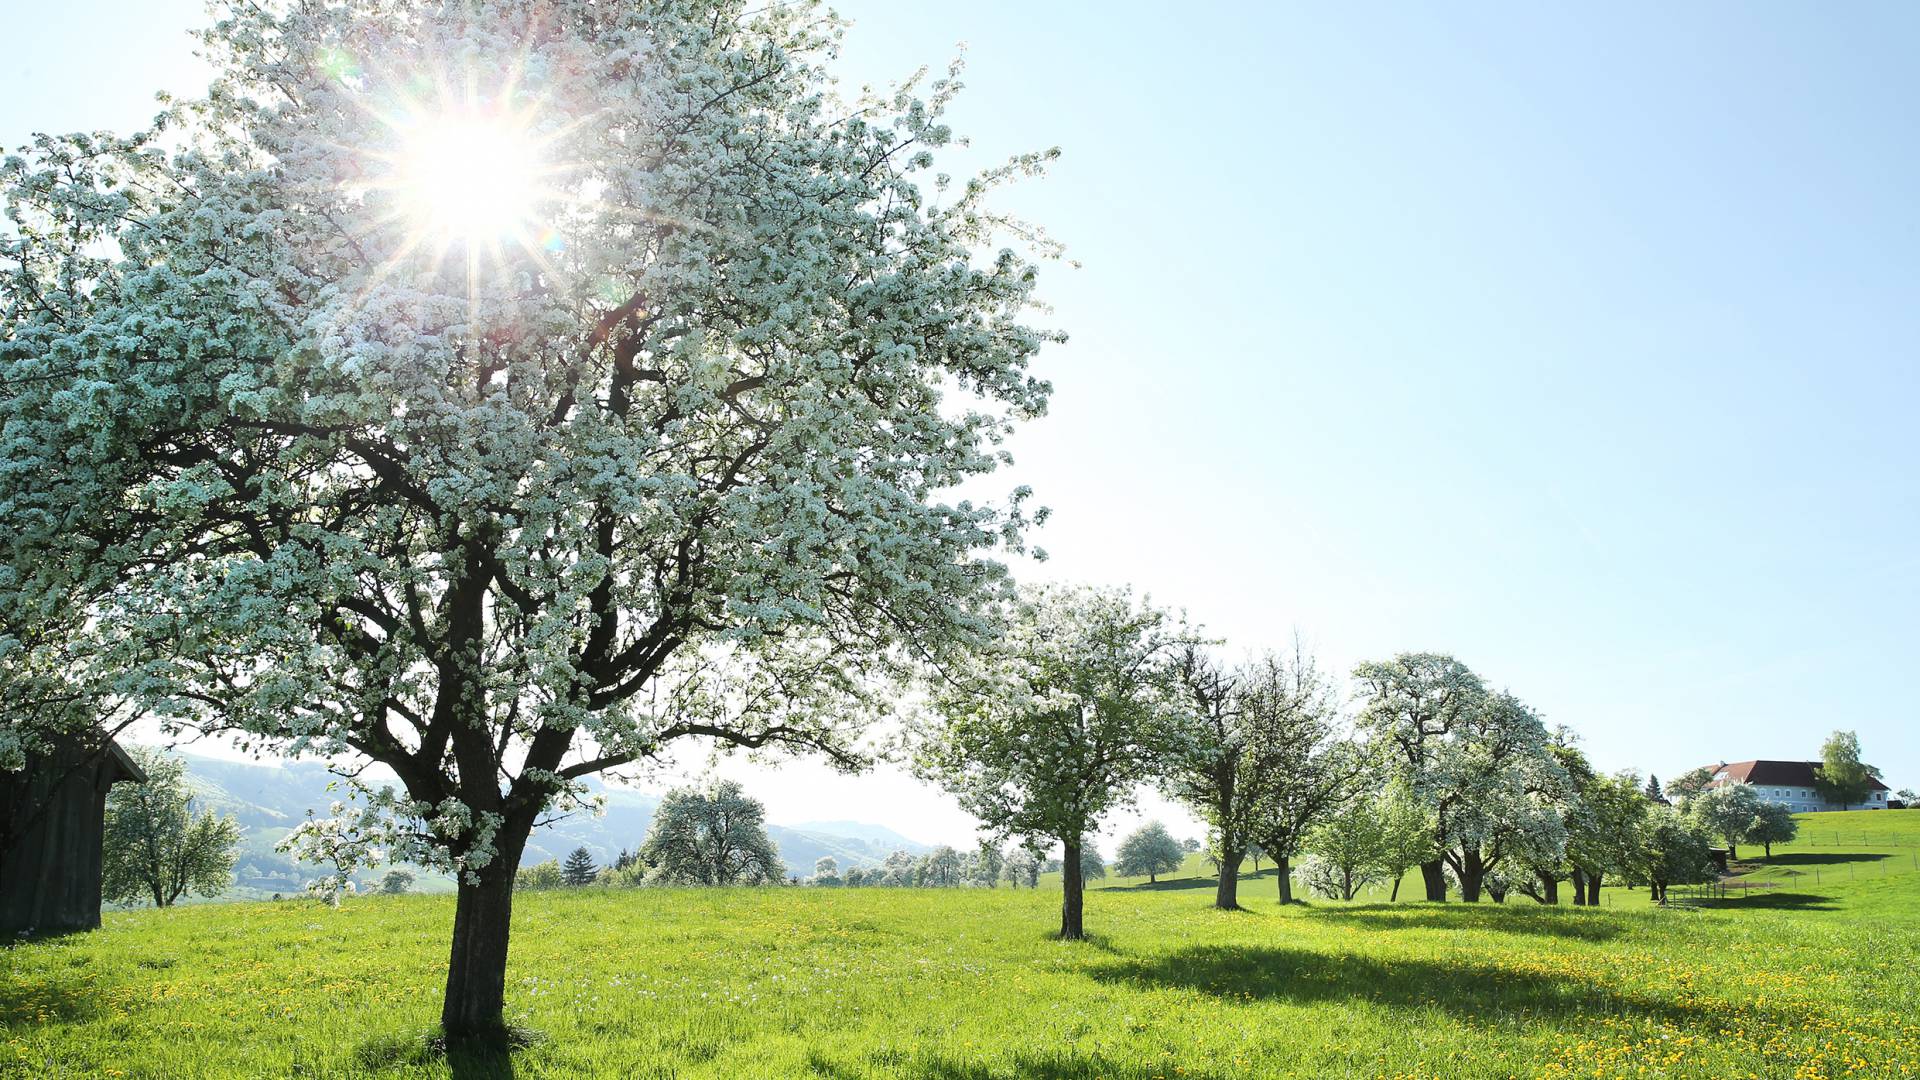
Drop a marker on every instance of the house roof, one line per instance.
(1775, 774)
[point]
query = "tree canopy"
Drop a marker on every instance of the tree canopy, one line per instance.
(712, 835)
(1149, 851)
(665, 452)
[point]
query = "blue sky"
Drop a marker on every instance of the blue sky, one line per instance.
(1578, 344)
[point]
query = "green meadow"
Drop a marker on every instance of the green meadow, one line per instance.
(1813, 980)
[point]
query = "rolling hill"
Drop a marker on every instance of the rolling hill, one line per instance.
(269, 798)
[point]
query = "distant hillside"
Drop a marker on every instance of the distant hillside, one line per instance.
(269, 798)
(878, 836)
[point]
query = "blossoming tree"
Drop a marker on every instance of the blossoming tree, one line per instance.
(502, 391)
(1059, 724)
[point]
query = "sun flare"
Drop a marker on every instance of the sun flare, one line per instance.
(471, 179)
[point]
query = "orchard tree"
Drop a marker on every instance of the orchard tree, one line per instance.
(1772, 824)
(1348, 849)
(1092, 866)
(1842, 777)
(1406, 827)
(506, 391)
(1497, 790)
(1206, 770)
(988, 862)
(826, 871)
(939, 868)
(540, 876)
(1605, 832)
(1691, 783)
(1151, 851)
(712, 835)
(897, 870)
(154, 846)
(1676, 850)
(1727, 812)
(396, 881)
(1023, 868)
(1298, 765)
(1058, 723)
(1412, 703)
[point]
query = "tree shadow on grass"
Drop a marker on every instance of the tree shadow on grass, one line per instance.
(58, 1002)
(1820, 858)
(1758, 898)
(1464, 987)
(474, 1059)
(1065, 1064)
(1169, 885)
(1537, 919)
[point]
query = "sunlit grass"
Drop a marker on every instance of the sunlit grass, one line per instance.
(966, 984)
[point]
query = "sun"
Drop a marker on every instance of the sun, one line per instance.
(469, 178)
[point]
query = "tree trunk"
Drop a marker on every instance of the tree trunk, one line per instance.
(1435, 875)
(1549, 889)
(1593, 888)
(1579, 887)
(1769, 849)
(1072, 893)
(477, 971)
(1151, 880)
(1285, 879)
(1733, 851)
(1226, 895)
(1472, 872)
(1394, 896)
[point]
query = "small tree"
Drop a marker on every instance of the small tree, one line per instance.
(1150, 851)
(1207, 769)
(857, 876)
(826, 871)
(1023, 868)
(1676, 850)
(1842, 777)
(897, 871)
(154, 846)
(1691, 783)
(1728, 812)
(579, 869)
(396, 881)
(988, 863)
(714, 835)
(1910, 797)
(343, 842)
(1092, 866)
(1406, 828)
(539, 876)
(1653, 789)
(940, 868)
(1299, 766)
(1059, 723)
(1773, 824)
(1190, 845)
(1348, 849)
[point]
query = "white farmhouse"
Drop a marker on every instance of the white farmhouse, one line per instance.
(1791, 784)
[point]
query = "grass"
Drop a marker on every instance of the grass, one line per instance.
(966, 985)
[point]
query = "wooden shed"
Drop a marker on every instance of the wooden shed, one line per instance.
(50, 873)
